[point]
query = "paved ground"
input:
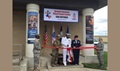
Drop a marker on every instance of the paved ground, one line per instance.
(76, 69)
(68, 69)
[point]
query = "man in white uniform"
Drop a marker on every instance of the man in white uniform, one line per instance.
(66, 43)
(69, 50)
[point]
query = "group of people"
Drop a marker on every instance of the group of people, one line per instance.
(66, 44)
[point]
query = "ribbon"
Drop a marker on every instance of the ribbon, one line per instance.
(69, 49)
(81, 47)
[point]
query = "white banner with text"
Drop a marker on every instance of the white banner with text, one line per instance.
(60, 15)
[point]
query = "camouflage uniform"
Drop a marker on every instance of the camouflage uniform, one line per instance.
(55, 51)
(100, 53)
(36, 52)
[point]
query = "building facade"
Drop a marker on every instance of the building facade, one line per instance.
(84, 8)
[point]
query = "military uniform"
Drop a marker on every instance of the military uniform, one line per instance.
(66, 43)
(36, 52)
(76, 52)
(100, 53)
(70, 55)
(55, 51)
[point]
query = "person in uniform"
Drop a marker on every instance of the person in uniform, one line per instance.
(66, 43)
(100, 52)
(70, 56)
(55, 51)
(76, 44)
(36, 52)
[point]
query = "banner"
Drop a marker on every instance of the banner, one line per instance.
(60, 15)
(32, 26)
(89, 30)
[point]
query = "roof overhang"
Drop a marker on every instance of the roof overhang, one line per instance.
(61, 4)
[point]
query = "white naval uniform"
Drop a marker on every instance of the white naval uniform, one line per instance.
(69, 46)
(65, 42)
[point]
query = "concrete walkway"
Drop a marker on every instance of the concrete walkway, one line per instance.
(68, 69)
(76, 69)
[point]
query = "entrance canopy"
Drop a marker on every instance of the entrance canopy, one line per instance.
(63, 4)
(28, 11)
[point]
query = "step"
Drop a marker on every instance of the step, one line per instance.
(21, 67)
(91, 59)
(76, 69)
(41, 69)
(64, 67)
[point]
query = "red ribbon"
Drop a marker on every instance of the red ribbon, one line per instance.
(68, 49)
(81, 47)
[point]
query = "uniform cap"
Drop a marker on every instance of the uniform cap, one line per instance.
(58, 35)
(68, 34)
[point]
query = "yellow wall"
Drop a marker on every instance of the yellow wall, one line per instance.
(19, 29)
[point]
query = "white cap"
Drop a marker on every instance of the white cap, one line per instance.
(68, 34)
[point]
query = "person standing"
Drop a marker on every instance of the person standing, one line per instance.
(100, 52)
(66, 42)
(69, 59)
(55, 51)
(36, 52)
(76, 44)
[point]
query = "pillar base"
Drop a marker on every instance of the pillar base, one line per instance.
(29, 55)
(29, 50)
(30, 62)
(88, 52)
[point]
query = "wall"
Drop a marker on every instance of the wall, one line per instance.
(19, 29)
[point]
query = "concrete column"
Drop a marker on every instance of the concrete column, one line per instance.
(32, 10)
(87, 12)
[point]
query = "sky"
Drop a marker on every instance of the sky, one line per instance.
(101, 22)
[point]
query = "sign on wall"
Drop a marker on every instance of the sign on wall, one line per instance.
(89, 30)
(32, 26)
(60, 15)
